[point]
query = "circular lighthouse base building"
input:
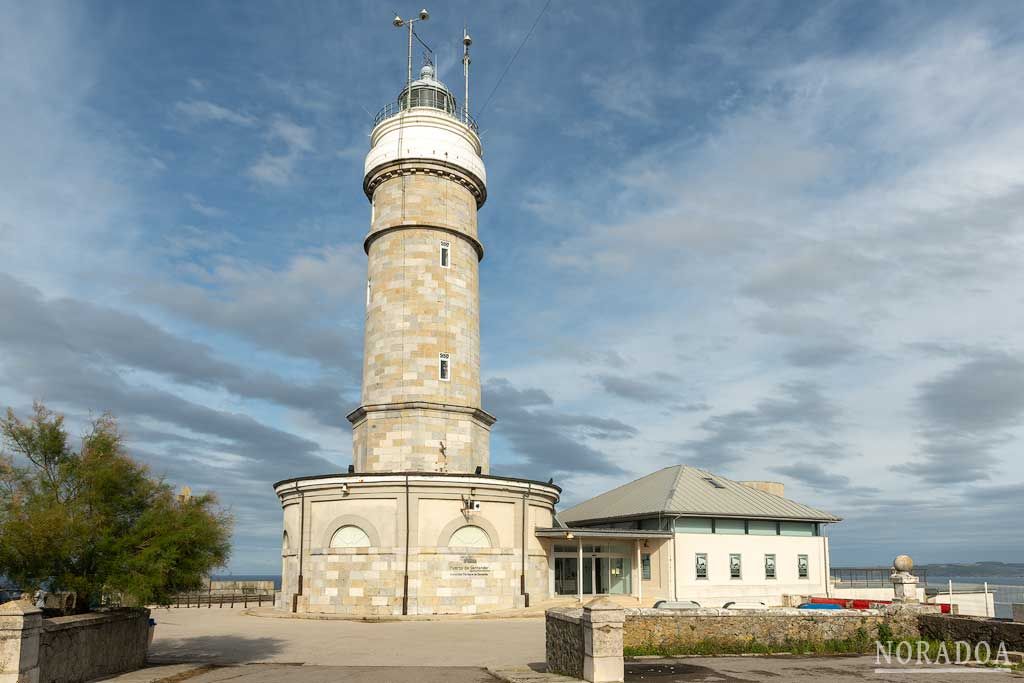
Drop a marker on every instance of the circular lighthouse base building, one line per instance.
(412, 543)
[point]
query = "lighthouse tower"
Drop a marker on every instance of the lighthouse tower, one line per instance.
(418, 525)
(425, 179)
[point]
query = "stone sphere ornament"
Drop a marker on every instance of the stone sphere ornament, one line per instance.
(903, 563)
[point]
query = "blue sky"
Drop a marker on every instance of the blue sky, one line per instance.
(777, 240)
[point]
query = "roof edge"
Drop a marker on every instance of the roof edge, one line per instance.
(667, 513)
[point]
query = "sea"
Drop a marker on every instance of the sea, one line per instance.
(1007, 589)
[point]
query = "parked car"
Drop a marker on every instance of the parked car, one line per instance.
(676, 604)
(744, 605)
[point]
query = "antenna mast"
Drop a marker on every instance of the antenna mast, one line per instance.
(399, 22)
(466, 42)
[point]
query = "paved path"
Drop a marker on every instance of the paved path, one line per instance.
(226, 636)
(818, 669)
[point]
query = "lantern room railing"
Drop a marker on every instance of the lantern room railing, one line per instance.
(395, 108)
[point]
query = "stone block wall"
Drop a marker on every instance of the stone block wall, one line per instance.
(86, 646)
(424, 198)
(364, 581)
(973, 630)
(408, 438)
(680, 629)
(417, 310)
(368, 581)
(563, 638)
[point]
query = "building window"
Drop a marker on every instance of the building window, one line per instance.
(702, 565)
(730, 526)
(796, 529)
(803, 566)
(367, 293)
(645, 566)
(444, 368)
(735, 566)
(693, 525)
(350, 536)
(470, 536)
(769, 566)
(757, 527)
(446, 254)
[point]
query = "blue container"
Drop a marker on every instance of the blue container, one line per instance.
(819, 605)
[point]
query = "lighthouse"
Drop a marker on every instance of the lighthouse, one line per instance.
(418, 525)
(424, 177)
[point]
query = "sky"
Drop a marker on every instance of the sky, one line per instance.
(777, 240)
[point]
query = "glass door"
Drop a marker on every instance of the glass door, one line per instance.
(566, 569)
(619, 575)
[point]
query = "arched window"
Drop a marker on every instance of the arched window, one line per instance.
(284, 542)
(470, 537)
(350, 536)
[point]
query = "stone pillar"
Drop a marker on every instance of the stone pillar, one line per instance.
(20, 624)
(603, 622)
(904, 583)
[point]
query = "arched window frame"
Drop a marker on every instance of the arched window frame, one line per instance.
(354, 527)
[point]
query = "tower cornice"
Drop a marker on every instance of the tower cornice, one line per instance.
(478, 414)
(477, 246)
(396, 168)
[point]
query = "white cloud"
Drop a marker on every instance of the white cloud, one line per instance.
(199, 207)
(205, 111)
(278, 168)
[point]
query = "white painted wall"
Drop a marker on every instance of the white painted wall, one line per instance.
(426, 133)
(719, 588)
(972, 604)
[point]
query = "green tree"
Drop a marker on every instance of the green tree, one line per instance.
(96, 522)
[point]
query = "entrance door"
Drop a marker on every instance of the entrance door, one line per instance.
(618, 577)
(601, 574)
(606, 570)
(566, 569)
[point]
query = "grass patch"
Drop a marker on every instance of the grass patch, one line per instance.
(860, 643)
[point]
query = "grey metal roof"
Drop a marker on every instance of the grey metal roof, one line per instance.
(687, 491)
(600, 533)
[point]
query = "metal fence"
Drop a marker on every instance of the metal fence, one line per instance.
(396, 108)
(209, 599)
(869, 577)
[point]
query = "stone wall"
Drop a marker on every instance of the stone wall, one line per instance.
(680, 629)
(563, 637)
(973, 630)
(86, 646)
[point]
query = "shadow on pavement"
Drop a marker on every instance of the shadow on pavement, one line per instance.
(228, 649)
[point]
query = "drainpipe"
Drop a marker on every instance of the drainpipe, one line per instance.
(405, 576)
(675, 563)
(522, 574)
(302, 545)
(828, 563)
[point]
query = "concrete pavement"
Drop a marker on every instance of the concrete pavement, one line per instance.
(226, 636)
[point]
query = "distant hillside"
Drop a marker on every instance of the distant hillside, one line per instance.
(976, 569)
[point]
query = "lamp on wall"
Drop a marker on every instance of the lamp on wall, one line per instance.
(569, 536)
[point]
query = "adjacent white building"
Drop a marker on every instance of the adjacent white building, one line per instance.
(696, 536)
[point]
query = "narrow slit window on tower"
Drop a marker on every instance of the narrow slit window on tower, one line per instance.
(446, 254)
(444, 367)
(369, 291)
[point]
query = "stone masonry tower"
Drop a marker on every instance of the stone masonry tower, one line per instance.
(425, 180)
